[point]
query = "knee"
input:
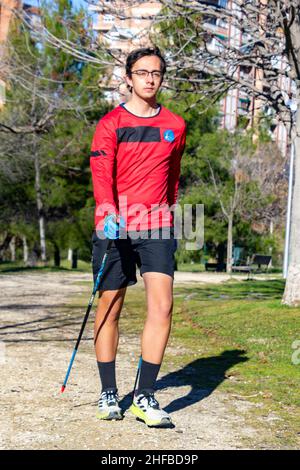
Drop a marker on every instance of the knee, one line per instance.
(161, 312)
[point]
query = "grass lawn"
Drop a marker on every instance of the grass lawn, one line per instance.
(191, 267)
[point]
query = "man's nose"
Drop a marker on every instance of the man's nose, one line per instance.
(150, 78)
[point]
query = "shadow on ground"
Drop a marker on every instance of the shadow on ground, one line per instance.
(203, 376)
(54, 323)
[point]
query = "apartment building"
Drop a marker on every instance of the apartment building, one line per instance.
(238, 103)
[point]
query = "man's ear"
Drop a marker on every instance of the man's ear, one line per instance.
(124, 90)
(127, 80)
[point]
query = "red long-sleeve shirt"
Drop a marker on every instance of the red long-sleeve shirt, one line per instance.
(135, 164)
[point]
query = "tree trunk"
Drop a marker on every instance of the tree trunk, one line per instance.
(229, 244)
(56, 256)
(40, 208)
(25, 250)
(5, 245)
(271, 233)
(12, 247)
(74, 259)
(221, 257)
(70, 254)
(291, 294)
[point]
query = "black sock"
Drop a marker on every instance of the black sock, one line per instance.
(107, 371)
(148, 376)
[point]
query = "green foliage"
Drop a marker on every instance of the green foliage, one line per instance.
(228, 156)
(63, 151)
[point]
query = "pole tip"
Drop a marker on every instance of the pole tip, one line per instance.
(62, 389)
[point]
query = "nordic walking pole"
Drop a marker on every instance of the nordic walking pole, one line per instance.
(96, 285)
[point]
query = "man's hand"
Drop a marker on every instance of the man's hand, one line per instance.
(112, 225)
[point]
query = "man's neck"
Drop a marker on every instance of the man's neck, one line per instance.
(142, 108)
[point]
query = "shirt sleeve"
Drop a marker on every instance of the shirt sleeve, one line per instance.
(173, 180)
(102, 163)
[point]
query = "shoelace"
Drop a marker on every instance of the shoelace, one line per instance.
(152, 402)
(110, 396)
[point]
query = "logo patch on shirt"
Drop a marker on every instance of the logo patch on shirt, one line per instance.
(169, 135)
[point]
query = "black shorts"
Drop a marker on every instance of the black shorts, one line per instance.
(149, 250)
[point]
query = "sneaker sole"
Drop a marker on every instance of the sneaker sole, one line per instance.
(164, 422)
(109, 416)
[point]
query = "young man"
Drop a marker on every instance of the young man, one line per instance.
(135, 164)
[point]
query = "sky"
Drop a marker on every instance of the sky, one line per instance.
(76, 3)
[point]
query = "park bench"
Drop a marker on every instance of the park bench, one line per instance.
(258, 263)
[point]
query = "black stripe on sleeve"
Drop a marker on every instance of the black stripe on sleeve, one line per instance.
(98, 153)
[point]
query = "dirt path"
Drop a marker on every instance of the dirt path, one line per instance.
(37, 334)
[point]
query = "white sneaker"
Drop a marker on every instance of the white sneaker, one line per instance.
(146, 407)
(108, 406)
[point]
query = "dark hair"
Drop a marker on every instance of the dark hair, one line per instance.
(139, 53)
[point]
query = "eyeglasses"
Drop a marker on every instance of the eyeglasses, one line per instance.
(144, 73)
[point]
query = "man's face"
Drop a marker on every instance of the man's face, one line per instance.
(145, 85)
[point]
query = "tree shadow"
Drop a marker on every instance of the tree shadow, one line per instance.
(35, 328)
(21, 307)
(15, 325)
(203, 375)
(50, 323)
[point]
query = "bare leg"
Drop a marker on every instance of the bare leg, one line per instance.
(106, 328)
(159, 295)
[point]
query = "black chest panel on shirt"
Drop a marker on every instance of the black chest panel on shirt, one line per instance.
(138, 134)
